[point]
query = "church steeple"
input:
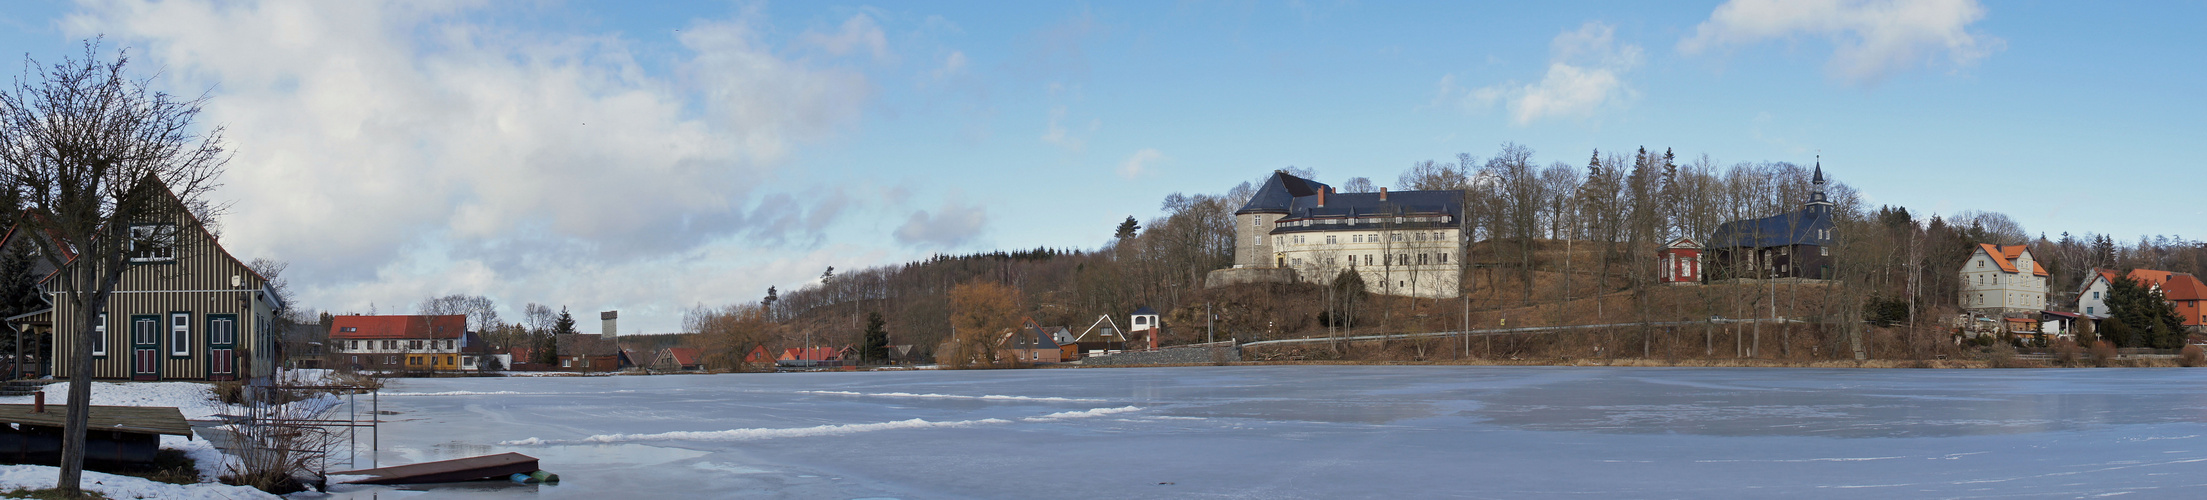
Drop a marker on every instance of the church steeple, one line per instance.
(1817, 202)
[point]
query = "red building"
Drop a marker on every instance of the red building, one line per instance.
(1680, 262)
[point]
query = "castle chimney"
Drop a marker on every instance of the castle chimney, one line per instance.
(1382, 194)
(1322, 197)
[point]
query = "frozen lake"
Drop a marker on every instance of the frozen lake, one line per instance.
(1323, 432)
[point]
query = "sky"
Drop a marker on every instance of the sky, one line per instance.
(648, 157)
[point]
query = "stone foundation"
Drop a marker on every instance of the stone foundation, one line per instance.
(1241, 275)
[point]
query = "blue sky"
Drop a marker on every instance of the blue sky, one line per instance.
(651, 156)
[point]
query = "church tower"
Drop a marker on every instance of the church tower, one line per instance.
(1817, 203)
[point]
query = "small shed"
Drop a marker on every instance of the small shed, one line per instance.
(1680, 262)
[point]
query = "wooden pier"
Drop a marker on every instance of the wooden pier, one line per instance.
(448, 471)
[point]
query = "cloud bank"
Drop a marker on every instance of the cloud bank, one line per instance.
(1872, 39)
(392, 151)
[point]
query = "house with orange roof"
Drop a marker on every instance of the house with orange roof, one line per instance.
(2003, 279)
(2092, 298)
(2189, 295)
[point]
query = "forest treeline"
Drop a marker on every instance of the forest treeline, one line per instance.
(1608, 215)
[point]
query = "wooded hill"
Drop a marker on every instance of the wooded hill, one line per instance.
(1550, 245)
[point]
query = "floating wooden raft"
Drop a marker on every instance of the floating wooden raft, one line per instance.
(498, 466)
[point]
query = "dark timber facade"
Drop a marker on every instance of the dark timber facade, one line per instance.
(1790, 245)
(184, 310)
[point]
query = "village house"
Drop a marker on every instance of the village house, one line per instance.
(675, 359)
(1794, 244)
(398, 342)
(1400, 243)
(1999, 280)
(587, 352)
(2182, 290)
(1029, 344)
(185, 309)
(2092, 295)
(811, 357)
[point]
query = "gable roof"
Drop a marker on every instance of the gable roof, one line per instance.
(2184, 287)
(812, 354)
(1683, 243)
(1028, 337)
(2005, 256)
(684, 355)
(1279, 193)
(397, 327)
(1799, 227)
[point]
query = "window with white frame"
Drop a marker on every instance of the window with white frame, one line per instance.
(99, 335)
(153, 243)
(180, 334)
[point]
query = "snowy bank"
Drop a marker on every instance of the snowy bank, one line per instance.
(39, 477)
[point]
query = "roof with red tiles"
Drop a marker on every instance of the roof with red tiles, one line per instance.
(398, 327)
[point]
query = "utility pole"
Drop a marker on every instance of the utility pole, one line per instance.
(1210, 324)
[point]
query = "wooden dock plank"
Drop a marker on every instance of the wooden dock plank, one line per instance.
(140, 419)
(447, 471)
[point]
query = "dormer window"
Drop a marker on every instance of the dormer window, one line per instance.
(153, 243)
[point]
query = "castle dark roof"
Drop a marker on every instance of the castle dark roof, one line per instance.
(1279, 192)
(1799, 227)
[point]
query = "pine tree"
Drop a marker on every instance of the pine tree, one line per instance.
(1127, 228)
(877, 339)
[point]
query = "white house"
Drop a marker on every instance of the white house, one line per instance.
(2003, 279)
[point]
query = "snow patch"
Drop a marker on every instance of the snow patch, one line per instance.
(113, 486)
(212, 463)
(954, 396)
(196, 400)
(1098, 412)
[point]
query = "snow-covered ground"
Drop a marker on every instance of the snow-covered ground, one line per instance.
(195, 400)
(1322, 432)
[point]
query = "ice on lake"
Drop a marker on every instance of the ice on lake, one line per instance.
(1321, 432)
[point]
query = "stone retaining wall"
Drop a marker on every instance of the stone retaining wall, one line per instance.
(1168, 356)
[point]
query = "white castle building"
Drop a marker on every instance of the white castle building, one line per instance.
(1400, 243)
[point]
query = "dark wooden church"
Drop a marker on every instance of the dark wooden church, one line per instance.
(1794, 244)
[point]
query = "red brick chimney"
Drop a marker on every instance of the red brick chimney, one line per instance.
(1382, 194)
(1322, 197)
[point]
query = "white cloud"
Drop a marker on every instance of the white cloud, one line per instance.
(949, 226)
(1585, 72)
(1873, 39)
(953, 65)
(859, 32)
(1136, 165)
(392, 151)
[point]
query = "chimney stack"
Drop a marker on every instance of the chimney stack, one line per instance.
(1322, 197)
(607, 323)
(1382, 194)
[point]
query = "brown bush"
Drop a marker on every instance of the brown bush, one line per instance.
(2067, 352)
(2191, 356)
(2103, 354)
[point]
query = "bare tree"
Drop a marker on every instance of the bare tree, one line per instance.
(95, 152)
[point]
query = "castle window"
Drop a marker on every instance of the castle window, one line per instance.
(1441, 257)
(1367, 259)
(1329, 239)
